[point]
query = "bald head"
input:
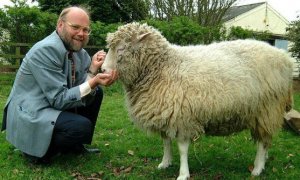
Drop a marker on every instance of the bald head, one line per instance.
(73, 11)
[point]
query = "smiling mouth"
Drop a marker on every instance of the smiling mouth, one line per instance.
(78, 40)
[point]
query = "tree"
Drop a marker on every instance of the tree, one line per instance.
(55, 6)
(167, 9)
(293, 36)
(27, 24)
(108, 11)
(114, 11)
(207, 13)
(211, 12)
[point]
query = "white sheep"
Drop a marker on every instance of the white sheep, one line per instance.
(217, 89)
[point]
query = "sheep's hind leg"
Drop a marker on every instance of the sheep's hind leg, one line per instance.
(167, 158)
(260, 159)
(183, 146)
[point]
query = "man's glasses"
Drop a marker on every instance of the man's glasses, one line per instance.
(78, 28)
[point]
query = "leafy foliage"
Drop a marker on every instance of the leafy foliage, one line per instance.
(21, 23)
(184, 31)
(115, 11)
(207, 13)
(293, 36)
(27, 24)
(240, 33)
(55, 6)
(99, 32)
(107, 11)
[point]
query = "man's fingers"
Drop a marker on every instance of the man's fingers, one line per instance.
(106, 79)
(103, 76)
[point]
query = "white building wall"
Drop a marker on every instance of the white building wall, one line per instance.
(262, 18)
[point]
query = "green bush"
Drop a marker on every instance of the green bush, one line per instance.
(99, 32)
(240, 33)
(293, 35)
(184, 31)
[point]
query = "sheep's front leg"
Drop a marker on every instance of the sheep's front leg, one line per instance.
(260, 159)
(183, 146)
(167, 158)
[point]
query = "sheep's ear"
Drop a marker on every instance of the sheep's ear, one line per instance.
(137, 42)
(142, 37)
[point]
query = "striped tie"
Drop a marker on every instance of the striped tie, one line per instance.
(70, 57)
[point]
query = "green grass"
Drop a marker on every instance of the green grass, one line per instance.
(128, 153)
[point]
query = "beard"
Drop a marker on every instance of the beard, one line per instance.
(73, 43)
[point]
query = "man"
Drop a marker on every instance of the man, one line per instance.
(55, 100)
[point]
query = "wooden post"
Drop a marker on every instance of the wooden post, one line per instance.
(18, 54)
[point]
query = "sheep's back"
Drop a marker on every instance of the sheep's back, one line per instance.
(235, 71)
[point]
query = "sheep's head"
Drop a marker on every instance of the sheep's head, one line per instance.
(127, 48)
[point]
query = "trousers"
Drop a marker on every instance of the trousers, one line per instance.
(75, 127)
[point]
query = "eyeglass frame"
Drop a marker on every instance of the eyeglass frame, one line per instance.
(76, 27)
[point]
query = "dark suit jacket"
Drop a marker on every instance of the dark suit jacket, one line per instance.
(40, 92)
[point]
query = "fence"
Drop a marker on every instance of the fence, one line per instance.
(12, 61)
(17, 56)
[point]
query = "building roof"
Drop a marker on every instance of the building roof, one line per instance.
(235, 11)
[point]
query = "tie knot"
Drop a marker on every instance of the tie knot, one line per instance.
(70, 55)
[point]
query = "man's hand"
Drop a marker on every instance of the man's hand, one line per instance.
(97, 61)
(104, 79)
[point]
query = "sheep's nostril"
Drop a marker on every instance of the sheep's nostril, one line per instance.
(103, 70)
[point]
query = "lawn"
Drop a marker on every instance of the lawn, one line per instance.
(128, 153)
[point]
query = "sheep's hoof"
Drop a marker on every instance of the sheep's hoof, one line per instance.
(183, 177)
(256, 171)
(164, 165)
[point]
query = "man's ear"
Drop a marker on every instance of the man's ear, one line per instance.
(59, 25)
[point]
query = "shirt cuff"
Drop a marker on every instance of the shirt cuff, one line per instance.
(85, 89)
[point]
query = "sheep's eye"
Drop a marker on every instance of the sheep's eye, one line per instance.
(119, 59)
(120, 50)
